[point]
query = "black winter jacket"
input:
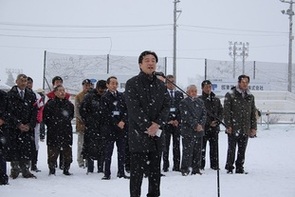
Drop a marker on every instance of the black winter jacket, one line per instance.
(4, 142)
(147, 101)
(214, 109)
(21, 111)
(91, 115)
(57, 116)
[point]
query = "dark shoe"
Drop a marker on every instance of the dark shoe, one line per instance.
(162, 174)
(35, 169)
(4, 183)
(176, 169)
(194, 172)
(123, 176)
(4, 179)
(81, 165)
(240, 171)
(106, 178)
(215, 168)
(14, 175)
(185, 173)
(100, 171)
(230, 171)
(67, 173)
(29, 175)
(165, 169)
(51, 171)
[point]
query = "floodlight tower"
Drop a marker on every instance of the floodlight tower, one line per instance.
(238, 49)
(290, 13)
(176, 15)
(245, 54)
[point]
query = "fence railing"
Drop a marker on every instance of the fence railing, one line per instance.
(277, 117)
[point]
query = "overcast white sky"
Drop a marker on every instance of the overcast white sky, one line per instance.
(27, 28)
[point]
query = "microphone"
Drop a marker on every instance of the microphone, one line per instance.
(159, 74)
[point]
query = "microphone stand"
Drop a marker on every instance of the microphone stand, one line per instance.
(210, 114)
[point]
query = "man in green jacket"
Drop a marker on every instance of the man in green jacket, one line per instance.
(239, 116)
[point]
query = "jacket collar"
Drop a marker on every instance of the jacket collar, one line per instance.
(147, 77)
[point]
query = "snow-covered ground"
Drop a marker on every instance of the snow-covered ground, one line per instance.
(270, 161)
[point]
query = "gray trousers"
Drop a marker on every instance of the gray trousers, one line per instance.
(191, 153)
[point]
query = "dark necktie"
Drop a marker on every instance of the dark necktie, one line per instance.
(171, 94)
(22, 94)
(172, 97)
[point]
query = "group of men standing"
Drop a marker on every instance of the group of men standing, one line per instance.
(151, 107)
(141, 121)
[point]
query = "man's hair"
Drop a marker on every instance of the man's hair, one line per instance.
(141, 56)
(109, 79)
(190, 87)
(170, 76)
(56, 88)
(241, 77)
(205, 82)
(101, 84)
(30, 79)
(21, 76)
(56, 78)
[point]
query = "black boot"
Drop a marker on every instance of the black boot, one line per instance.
(66, 172)
(51, 171)
(34, 162)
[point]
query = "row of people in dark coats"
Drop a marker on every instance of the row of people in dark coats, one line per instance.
(104, 113)
(19, 127)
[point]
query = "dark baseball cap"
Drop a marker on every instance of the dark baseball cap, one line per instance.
(205, 82)
(86, 81)
(56, 78)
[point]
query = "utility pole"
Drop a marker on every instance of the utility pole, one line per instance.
(176, 15)
(290, 13)
(238, 49)
(245, 53)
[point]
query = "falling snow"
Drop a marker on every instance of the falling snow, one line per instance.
(270, 166)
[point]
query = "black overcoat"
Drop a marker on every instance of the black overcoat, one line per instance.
(4, 137)
(57, 115)
(147, 101)
(21, 111)
(91, 115)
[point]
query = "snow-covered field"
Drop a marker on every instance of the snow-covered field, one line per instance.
(270, 161)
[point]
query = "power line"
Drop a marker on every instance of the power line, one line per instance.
(133, 26)
(227, 33)
(81, 26)
(231, 29)
(55, 37)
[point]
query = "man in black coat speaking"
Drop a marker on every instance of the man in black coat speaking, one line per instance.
(147, 101)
